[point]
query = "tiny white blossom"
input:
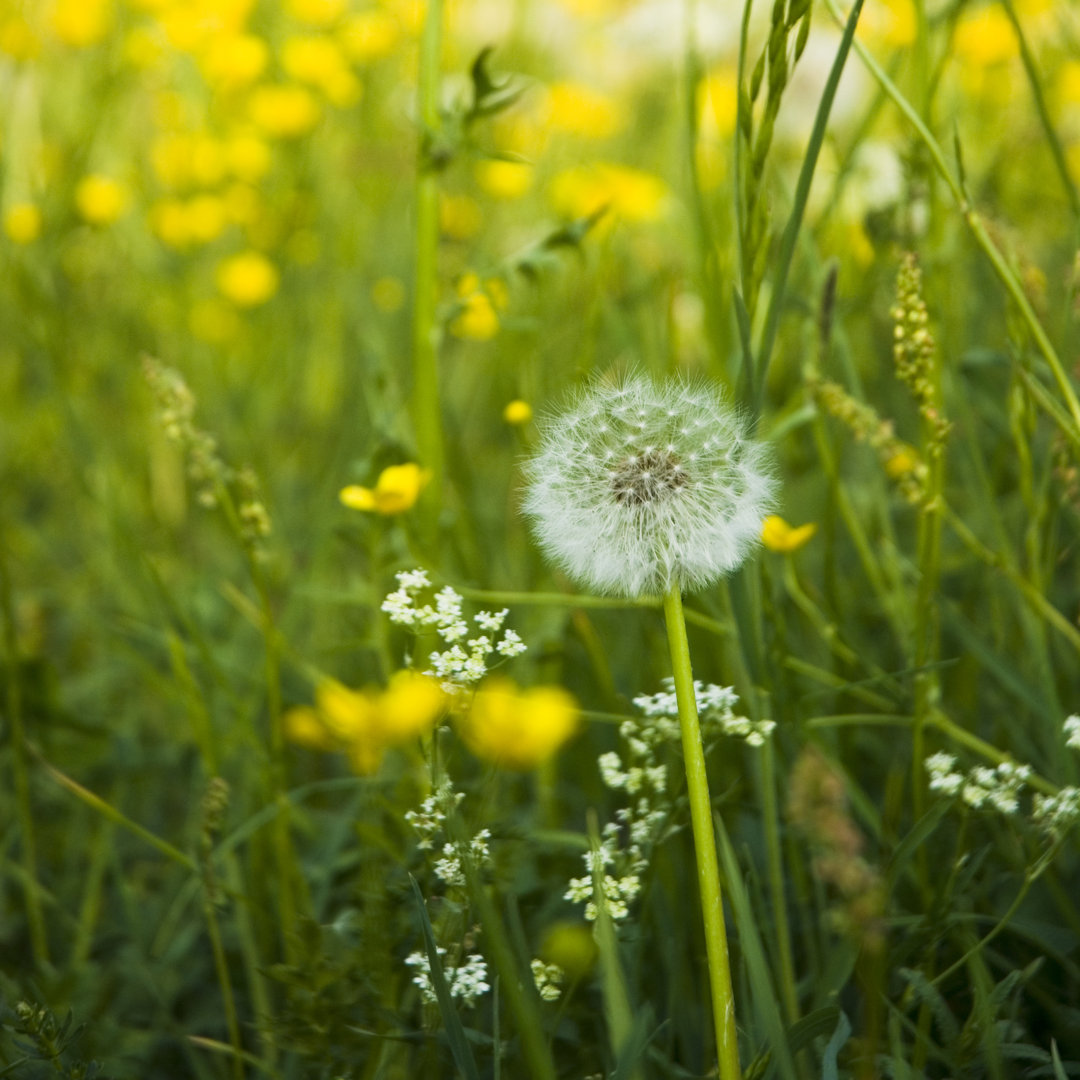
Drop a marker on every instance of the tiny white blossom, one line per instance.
(493, 621)
(510, 644)
(548, 979)
(1072, 732)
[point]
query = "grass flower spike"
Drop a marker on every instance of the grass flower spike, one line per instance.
(638, 488)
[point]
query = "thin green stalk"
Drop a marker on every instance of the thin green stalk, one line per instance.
(697, 783)
(39, 942)
(771, 816)
(426, 411)
(221, 969)
(802, 194)
(974, 222)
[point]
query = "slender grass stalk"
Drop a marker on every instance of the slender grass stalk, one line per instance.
(697, 782)
(426, 411)
(802, 194)
(35, 919)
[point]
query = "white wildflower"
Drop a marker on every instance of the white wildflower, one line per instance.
(1056, 814)
(466, 981)
(548, 979)
(640, 487)
(1072, 732)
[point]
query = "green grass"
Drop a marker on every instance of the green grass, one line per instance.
(185, 892)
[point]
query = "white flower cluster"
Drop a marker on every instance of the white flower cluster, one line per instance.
(449, 866)
(1056, 814)
(619, 892)
(430, 820)
(466, 660)
(467, 980)
(998, 788)
(716, 706)
(548, 979)
(1072, 732)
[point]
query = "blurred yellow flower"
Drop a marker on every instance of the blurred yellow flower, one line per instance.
(242, 203)
(778, 535)
(580, 110)
(100, 199)
(318, 60)
(984, 36)
(718, 101)
(477, 319)
(396, 491)
(365, 723)
(570, 945)
(504, 179)
(517, 413)
(368, 35)
(284, 111)
(170, 158)
(902, 462)
(17, 39)
(627, 193)
(232, 61)
(247, 279)
(316, 12)
(81, 23)
(890, 22)
(388, 294)
(22, 222)
(207, 218)
(518, 729)
(208, 161)
(248, 157)
(143, 49)
(459, 216)
(168, 220)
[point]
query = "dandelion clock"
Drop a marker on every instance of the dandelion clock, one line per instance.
(652, 488)
(637, 488)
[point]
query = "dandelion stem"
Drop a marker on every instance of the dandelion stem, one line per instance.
(697, 783)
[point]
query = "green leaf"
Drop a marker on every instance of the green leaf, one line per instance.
(833, 1048)
(455, 1032)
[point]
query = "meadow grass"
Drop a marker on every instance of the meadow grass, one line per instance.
(290, 292)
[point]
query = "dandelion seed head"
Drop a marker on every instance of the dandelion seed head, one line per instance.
(671, 490)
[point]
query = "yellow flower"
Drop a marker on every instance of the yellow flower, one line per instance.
(459, 216)
(477, 319)
(18, 40)
(207, 218)
(316, 12)
(628, 193)
(518, 729)
(22, 222)
(247, 279)
(81, 23)
(284, 111)
(100, 199)
(580, 110)
(904, 461)
(396, 491)
(778, 535)
(984, 36)
(248, 157)
(169, 222)
(570, 945)
(231, 61)
(504, 179)
(410, 706)
(517, 413)
(365, 723)
(718, 100)
(368, 35)
(893, 23)
(318, 61)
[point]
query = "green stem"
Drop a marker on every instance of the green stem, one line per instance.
(426, 412)
(697, 783)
